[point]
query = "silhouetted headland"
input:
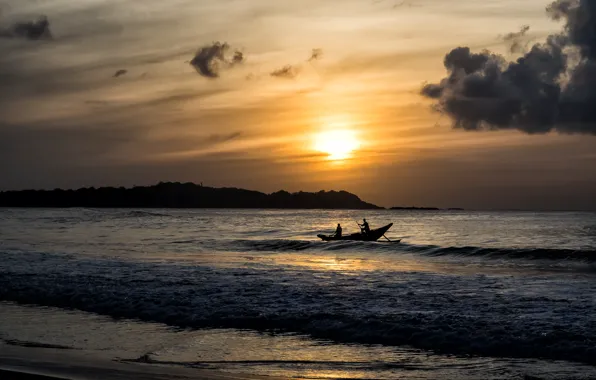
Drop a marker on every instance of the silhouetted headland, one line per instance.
(427, 209)
(181, 195)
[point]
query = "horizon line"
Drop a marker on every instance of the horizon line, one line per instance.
(391, 208)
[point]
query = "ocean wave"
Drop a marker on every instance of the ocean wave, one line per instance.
(472, 315)
(311, 364)
(24, 343)
(274, 245)
(141, 214)
(281, 245)
(508, 253)
(589, 230)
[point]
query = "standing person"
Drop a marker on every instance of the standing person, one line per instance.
(364, 227)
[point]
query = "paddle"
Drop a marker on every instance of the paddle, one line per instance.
(359, 226)
(391, 241)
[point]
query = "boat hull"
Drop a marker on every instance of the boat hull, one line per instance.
(374, 235)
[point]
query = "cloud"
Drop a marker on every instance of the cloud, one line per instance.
(119, 73)
(209, 60)
(109, 135)
(221, 138)
(552, 87)
(35, 148)
(238, 57)
(287, 72)
(516, 39)
(30, 30)
(292, 71)
(315, 55)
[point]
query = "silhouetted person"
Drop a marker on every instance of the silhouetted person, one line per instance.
(338, 230)
(364, 227)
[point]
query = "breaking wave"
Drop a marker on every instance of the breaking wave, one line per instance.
(588, 255)
(508, 253)
(470, 315)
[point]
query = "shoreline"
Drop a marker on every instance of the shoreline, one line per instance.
(14, 374)
(54, 364)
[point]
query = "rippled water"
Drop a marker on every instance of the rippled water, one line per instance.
(506, 293)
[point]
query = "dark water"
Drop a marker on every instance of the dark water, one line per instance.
(484, 294)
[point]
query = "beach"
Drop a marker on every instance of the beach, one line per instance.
(253, 293)
(47, 363)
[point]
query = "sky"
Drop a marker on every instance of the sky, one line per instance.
(312, 95)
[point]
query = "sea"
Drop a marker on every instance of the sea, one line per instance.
(464, 295)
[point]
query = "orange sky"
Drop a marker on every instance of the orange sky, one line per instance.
(66, 121)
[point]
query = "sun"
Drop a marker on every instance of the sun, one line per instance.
(338, 144)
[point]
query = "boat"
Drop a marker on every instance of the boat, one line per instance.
(373, 235)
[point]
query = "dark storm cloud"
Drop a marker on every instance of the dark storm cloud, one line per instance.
(547, 89)
(30, 30)
(209, 60)
(287, 72)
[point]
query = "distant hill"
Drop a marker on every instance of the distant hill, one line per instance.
(181, 195)
(426, 209)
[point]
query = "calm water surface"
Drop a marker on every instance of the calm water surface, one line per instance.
(466, 295)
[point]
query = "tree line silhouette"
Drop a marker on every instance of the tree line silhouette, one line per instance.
(180, 195)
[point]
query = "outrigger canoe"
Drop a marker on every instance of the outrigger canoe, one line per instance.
(373, 235)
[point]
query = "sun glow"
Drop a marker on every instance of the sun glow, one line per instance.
(337, 144)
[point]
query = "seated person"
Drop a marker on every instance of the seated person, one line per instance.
(338, 231)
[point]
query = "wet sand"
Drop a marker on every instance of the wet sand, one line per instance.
(16, 375)
(53, 364)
